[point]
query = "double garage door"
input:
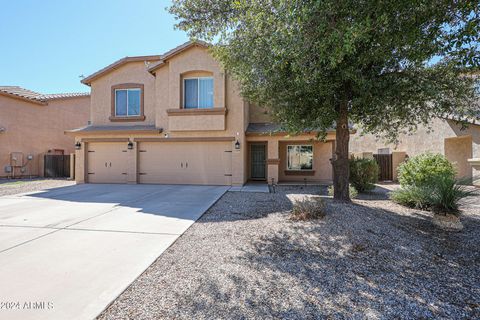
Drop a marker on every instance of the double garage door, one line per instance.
(207, 163)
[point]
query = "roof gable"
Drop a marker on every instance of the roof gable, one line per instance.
(159, 60)
(176, 51)
(117, 64)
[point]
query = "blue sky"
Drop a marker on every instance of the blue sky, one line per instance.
(46, 45)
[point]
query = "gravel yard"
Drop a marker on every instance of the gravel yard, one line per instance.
(245, 259)
(15, 186)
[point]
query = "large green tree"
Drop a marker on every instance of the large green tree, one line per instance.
(385, 65)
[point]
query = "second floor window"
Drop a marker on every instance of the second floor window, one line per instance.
(198, 93)
(127, 102)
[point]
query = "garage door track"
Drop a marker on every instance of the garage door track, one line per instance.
(66, 253)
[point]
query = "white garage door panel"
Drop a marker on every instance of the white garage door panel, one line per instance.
(185, 162)
(107, 162)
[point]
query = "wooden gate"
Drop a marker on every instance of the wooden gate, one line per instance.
(386, 168)
(57, 166)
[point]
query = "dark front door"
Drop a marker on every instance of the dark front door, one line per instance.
(257, 161)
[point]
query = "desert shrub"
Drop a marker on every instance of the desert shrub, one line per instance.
(308, 208)
(411, 196)
(441, 195)
(424, 169)
(446, 194)
(363, 174)
(351, 189)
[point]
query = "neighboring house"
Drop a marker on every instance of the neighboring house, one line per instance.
(33, 124)
(460, 146)
(178, 118)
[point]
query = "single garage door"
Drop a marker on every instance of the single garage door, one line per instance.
(107, 162)
(185, 162)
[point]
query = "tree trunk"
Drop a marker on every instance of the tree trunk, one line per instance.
(341, 170)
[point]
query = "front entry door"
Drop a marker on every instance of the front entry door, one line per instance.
(257, 161)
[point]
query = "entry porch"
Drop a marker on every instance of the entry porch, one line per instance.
(289, 159)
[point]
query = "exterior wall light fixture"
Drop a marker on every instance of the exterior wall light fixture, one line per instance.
(237, 144)
(130, 145)
(78, 145)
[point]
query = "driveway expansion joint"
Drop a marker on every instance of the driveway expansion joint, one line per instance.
(86, 229)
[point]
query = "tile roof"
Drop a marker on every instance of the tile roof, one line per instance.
(40, 98)
(52, 96)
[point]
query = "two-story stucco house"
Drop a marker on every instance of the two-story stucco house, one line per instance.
(178, 118)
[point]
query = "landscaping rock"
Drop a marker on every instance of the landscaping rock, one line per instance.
(17, 186)
(448, 222)
(371, 259)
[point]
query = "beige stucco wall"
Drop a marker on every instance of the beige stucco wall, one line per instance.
(34, 129)
(424, 141)
(398, 157)
(458, 150)
(226, 95)
(194, 61)
(101, 94)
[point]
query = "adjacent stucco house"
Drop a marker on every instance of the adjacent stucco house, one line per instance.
(178, 118)
(461, 146)
(33, 124)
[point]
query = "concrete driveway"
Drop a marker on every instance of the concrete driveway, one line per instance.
(66, 253)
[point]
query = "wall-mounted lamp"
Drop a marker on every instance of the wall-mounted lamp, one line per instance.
(166, 135)
(78, 145)
(130, 145)
(237, 145)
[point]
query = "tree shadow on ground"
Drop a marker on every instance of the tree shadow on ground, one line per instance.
(361, 261)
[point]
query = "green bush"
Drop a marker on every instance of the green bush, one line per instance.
(441, 195)
(411, 196)
(309, 208)
(424, 169)
(363, 174)
(446, 194)
(351, 189)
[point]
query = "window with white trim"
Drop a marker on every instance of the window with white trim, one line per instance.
(300, 157)
(198, 93)
(127, 102)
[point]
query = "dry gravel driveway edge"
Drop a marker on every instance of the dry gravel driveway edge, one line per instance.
(10, 187)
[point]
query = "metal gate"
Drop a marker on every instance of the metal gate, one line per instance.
(257, 165)
(385, 165)
(57, 166)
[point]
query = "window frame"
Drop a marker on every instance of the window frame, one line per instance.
(126, 86)
(127, 90)
(198, 92)
(300, 145)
